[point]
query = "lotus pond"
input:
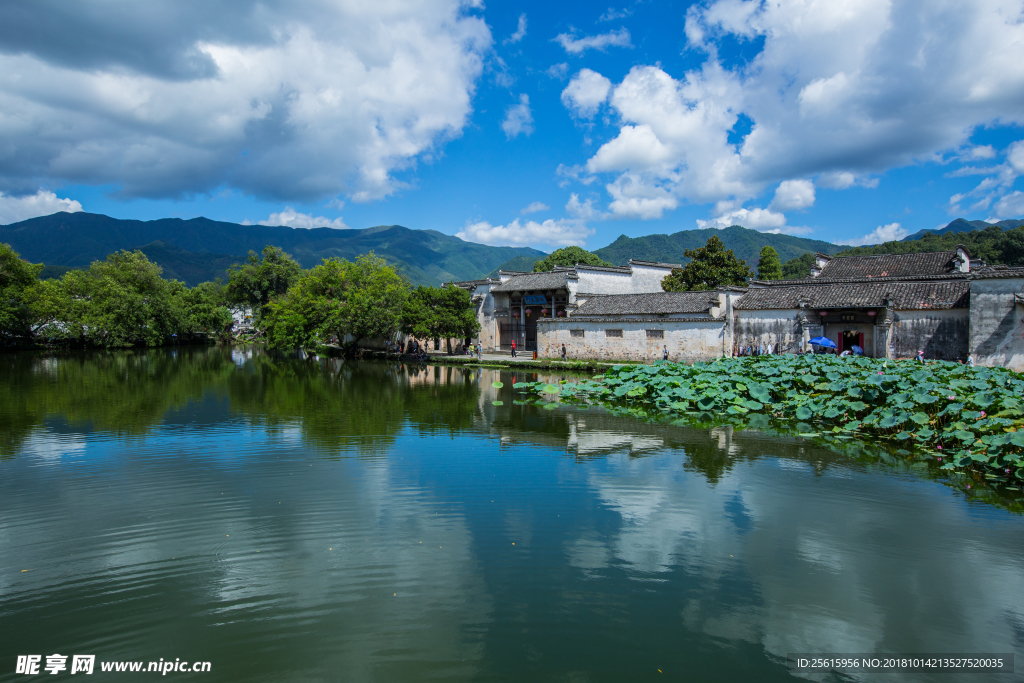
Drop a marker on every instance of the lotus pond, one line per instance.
(961, 418)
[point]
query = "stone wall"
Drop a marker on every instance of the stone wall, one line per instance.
(688, 339)
(780, 328)
(997, 322)
(942, 334)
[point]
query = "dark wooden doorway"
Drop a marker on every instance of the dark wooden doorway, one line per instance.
(848, 339)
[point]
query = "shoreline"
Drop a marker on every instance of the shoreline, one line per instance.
(473, 361)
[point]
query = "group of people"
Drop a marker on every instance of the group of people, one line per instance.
(410, 346)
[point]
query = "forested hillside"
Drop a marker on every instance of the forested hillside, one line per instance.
(78, 239)
(746, 244)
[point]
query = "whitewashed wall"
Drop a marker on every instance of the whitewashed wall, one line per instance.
(648, 278)
(997, 323)
(780, 328)
(941, 334)
(687, 340)
(642, 280)
(604, 282)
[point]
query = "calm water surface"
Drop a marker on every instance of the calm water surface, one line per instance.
(292, 520)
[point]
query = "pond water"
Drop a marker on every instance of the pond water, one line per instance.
(289, 519)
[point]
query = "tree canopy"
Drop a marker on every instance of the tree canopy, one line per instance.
(16, 276)
(337, 298)
(992, 245)
(123, 301)
(440, 313)
(568, 256)
(798, 268)
(769, 266)
(262, 277)
(710, 266)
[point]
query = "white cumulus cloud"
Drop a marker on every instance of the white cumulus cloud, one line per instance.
(293, 101)
(632, 198)
(42, 203)
(520, 31)
(551, 233)
(293, 219)
(518, 118)
(841, 90)
(587, 91)
(535, 207)
(584, 210)
(612, 14)
(764, 220)
(602, 41)
(793, 195)
(1009, 206)
(883, 233)
(559, 71)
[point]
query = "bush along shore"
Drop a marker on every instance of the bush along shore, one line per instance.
(961, 418)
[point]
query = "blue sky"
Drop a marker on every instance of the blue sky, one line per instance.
(530, 124)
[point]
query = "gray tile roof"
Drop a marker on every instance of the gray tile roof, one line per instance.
(998, 271)
(534, 281)
(607, 319)
(658, 264)
(906, 296)
(470, 284)
(654, 303)
(810, 281)
(607, 269)
(888, 265)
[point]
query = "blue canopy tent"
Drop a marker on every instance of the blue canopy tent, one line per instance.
(822, 341)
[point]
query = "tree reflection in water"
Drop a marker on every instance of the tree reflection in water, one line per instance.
(341, 408)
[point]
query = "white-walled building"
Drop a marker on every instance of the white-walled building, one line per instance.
(510, 306)
(891, 306)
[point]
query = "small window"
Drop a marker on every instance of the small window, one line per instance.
(575, 333)
(613, 333)
(655, 334)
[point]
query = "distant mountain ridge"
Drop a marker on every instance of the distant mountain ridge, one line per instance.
(745, 243)
(201, 249)
(962, 225)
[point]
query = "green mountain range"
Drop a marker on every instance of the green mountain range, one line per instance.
(200, 249)
(745, 243)
(962, 225)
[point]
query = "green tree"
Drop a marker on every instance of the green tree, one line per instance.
(262, 277)
(440, 313)
(122, 301)
(202, 309)
(16, 276)
(798, 268)
(338, 298)
(125, 301)
(992, 245)
(710, 267)
(769, 266)
(568, 256)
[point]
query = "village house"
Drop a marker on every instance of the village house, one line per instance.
(890, 306)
